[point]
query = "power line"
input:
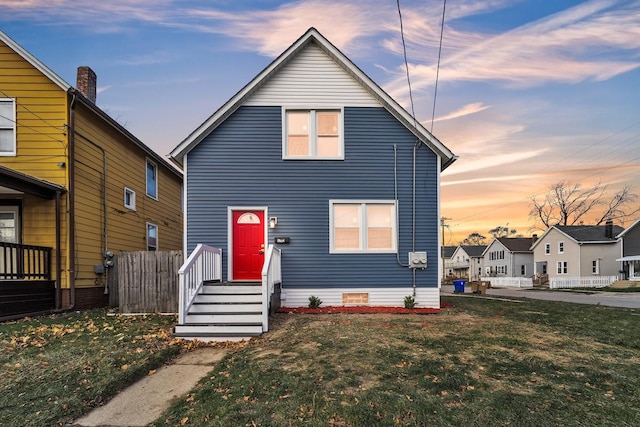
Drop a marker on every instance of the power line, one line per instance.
(435, 90)
(406, 63)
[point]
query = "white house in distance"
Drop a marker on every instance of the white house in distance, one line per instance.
(509, 257)
(630, 259)
(468, 261)
(581, 253)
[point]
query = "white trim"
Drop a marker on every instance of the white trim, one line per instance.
(426, 297)
(14, 126)
(230, 210)
(363, 226)
(629, 258)
(561, 247)
(132, 205)
(313, 133)
(184, 211)
(547, 248)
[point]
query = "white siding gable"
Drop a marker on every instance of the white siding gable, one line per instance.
(312, 79)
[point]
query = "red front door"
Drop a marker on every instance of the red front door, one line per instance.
(248, 245)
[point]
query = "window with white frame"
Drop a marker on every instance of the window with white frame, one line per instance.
(313, 134)
(547, 248)
(152, 179)
(152, 237)
(523, 270)
(362, 226)
(560, 247)
(595, 266)
(562, 267)
(129, 199)
(7, 127)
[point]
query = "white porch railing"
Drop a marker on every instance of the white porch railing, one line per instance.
(509, 282)
(581, 282)
(271, 276)
(204, 263)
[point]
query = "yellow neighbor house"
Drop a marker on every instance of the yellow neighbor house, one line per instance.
(75, 188)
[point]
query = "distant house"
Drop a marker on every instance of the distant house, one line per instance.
(630, 241)
(509, 257)
(313, 161)
(75, 188)
(447, 261)
(468, 262)
(578, 251)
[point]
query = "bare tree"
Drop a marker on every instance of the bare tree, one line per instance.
(501, 231)
(474, 239)
(568, 203)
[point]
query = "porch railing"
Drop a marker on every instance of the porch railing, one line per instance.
(204, 264)
(271, 276)
(509, 282)
(24, 262)
(581, 282)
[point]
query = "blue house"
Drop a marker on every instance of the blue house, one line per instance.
(310, 181)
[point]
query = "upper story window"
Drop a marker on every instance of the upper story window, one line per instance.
(129, 199)
(560, 247)
(313, 134)
(7, 127)
(152, 179)
(547, 248)
(362, 226)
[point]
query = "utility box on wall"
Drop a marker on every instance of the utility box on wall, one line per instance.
(417, 260)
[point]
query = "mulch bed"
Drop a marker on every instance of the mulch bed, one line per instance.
(362, 310)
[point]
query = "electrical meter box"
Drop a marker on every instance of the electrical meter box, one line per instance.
(417, 260)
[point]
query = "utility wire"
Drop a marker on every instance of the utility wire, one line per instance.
(406, 64)
(435, 91)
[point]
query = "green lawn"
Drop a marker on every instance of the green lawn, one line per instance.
(480, 363)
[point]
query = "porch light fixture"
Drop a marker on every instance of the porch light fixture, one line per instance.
(273, 221)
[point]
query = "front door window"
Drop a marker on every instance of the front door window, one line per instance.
(248, 244)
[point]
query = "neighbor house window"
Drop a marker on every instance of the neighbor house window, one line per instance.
(129, 199)
(7, 127)
(562, 267)
(547, 248)
(152, 237)
(595, 266)
(313, 134)
(367, 226)
(152, 179)
(523, 270)
(560, 247)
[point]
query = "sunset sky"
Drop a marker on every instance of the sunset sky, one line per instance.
(529, 93)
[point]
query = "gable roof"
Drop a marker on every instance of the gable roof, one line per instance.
(34, 62)
(629, 228)
(515, 244)
(590, 233)
(474, 251)
(313, 36)
(447, 251)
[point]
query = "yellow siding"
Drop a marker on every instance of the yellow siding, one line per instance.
(126, 166)
(41, 115)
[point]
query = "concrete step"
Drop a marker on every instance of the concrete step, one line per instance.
(228, 308)
(228, 298)
(223, 319)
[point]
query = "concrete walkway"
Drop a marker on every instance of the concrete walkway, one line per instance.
(610, 299)
(145, 401)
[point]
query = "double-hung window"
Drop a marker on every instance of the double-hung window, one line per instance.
(562, 267)
(313, 134)
(547, 248)
(7, 127)
(560, 247)
(152, 179)
(362, 226)
(152, 237)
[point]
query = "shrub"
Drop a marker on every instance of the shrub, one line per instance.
(409, 301)
(314, 302)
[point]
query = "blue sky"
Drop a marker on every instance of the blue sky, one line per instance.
(530, 92)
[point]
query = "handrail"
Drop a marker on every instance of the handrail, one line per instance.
(204, 264)
(271, 276)
(18, 261)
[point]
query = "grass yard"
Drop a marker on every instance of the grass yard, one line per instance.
(56, 368)
(481, 363)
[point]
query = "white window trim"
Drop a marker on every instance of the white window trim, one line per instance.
(562, 268)
(157, 235)
(132, 205)
(363, 227)
(547, 248)
(597, 267)
(560, 247)
(146, 183)
(312, 133)
(15, 123)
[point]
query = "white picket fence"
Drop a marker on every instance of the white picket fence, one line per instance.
(509, 282)
(581, 282)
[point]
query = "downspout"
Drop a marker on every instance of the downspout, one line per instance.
(415, 147)
(72, 219)
(104, 204)
(58, 252)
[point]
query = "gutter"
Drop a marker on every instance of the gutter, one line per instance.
(71, 208)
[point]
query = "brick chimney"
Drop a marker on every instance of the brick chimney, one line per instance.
(608, 229)
(87, 82)
(534, 238)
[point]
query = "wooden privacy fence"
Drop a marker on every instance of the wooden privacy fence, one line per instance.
(148, 281)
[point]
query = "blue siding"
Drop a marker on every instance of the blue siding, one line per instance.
(240, 164)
